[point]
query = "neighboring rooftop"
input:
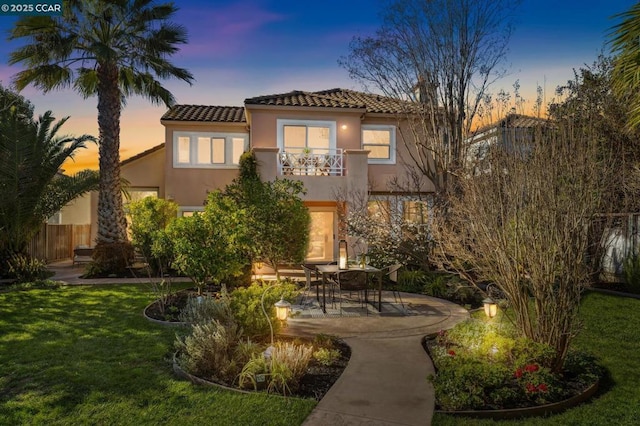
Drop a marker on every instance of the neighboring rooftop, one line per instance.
(224, 114)
(142, 154)
(514, 121)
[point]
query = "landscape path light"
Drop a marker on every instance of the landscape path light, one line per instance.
(490, 307)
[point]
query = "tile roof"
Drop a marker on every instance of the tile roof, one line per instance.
(333, 98)
(223, 114)
(142, 154)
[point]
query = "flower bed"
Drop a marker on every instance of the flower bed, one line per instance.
(482, 366)
(318, 376)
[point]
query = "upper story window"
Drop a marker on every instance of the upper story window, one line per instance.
(380, 140)
(298, 136)
(208, 150)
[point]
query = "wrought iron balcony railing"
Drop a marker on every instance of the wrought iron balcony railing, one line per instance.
(312, 162)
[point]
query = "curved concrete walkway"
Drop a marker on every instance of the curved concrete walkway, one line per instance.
(385, 382)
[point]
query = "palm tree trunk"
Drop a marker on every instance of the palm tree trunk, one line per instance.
(112, 248)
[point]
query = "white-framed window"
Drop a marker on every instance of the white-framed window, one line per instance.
(297, 136)
(208, 150)
(184, 211)
(380, 140)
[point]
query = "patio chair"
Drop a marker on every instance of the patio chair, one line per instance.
(353, 281)
(310, 282)
(392, 273)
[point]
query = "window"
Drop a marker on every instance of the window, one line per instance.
(56, 219)
(137, 194)
(415, 212)
(209, 150)
(297, 136)
(379, 210)
(185, 211)
(381, 142)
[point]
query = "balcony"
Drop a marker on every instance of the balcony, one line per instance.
(312, 162)
(323, 173)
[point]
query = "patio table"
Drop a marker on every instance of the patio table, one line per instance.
(328, 270)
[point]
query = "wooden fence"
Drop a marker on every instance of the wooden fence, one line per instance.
(56, 242)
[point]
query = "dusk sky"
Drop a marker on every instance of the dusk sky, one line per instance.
(247, 48)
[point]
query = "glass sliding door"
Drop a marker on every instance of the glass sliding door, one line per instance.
(321, 239)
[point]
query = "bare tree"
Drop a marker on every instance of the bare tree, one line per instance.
(443, 54)
(524, 224)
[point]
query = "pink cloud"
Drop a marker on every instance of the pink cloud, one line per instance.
(225, 29)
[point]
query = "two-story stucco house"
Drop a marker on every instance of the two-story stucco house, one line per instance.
(334, 141)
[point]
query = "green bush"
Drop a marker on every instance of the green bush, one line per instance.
(25, 269)
(149, 218)
(204, 309)
(209, 246)
(466, 383)
(213, 351)
(484, 365)
(247, 307)
(412, 281)
(326, 356)
(436, 285)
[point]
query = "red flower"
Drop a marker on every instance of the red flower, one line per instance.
(451, 353)
(531, 388)
(531, 368)
(542, 387)
(518, 373)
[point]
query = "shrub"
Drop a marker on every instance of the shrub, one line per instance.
(322, 340)
(412, 281)
(281, 366)
(485, 365)
(326, 356)
(435, 285)
(212, 351)
(204, 309)
(466, 383)
(247, 308)
(208, 246)
(149, 217)
(26, 269)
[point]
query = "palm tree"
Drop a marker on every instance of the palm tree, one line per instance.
(112, 49)
(31, 186)
(625, 45)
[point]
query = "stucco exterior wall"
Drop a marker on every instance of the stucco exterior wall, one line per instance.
(264, 124)
(189, 186)
(77, 212)
(146, 172)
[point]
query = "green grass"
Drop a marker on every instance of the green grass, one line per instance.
(86, 355)
(611, 331)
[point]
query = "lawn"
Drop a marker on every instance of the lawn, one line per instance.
(85, 355)
(611, 331)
